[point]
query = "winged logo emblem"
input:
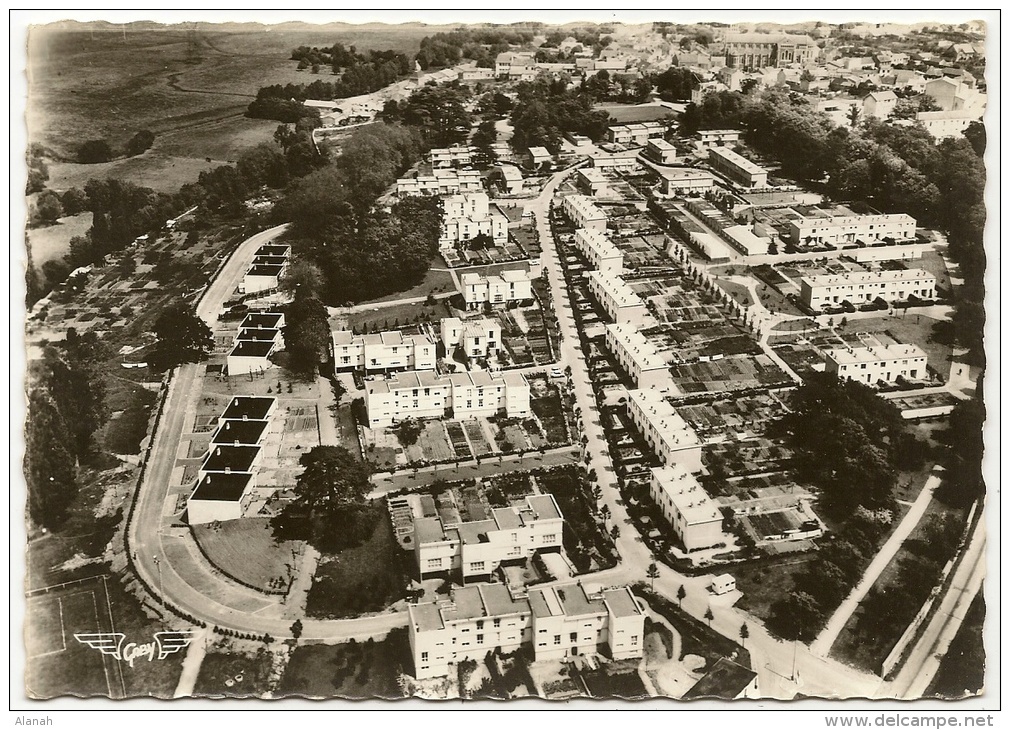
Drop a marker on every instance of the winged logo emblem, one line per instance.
(165, 644)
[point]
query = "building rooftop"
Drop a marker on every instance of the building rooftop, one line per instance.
(239, 432)
(586, 207)
(506, 518)
(568, 600)
(426, 616)
(735, 159)
(596, 241)
(269, 260)
(473, 533)
(230, 458)
(684, 173)
(257, 334)
(265, 270)
(544, 506)
(638, 347)
(428, 530)
(867, 277)
(498, 600)
(726, 680)
(251, 348)
(592, 175)
(220, 487)
(246, 407)
(675, 432)
(621, 602)
(262, 320)
(857, 355)
(617, 289)
(687, 495)
(273, 249)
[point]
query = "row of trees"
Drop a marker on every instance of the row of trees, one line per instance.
(545, 110)
(474, 44)
(99, 150)
(438, 112)
(896, 169)
(623, 88)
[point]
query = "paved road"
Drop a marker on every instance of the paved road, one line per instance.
(824, 641)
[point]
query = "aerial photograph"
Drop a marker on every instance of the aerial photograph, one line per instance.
(633, 360)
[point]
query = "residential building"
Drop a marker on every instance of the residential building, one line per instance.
(583, 212)
(685, 180)
(879, 104)
(249, 408)
(636, 135)
(737, 168)
(943, 125)
(455, 156)
(661, 151)
(383, 352)
(719, 137)
(842, 229)
(511, 285)
(538, 156)
(245, 432)
(440, 182)
(870, 365)
(860, 287)
(274, 249)
(250, 355)
(598, 249)
(475, 337)
(263, 320)
(591, 181)
(261, 277)
(219, 497)
(423, 394)
(474, 550)
(726, 680)
(468, 215)
(744, 240)
(509, 177)
(618, 161)
(637, 356)
(514, 65)
(671, 438)
(617, 298)
(558, 621)
(750, 51)
(693, 515)
(476, 73)
(226, 459)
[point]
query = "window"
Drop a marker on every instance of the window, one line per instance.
(434, 562)
(497, 622)
(424, 656)
(557, 639)
(573, 636)
(480, 625)
(477, 566)
(547, 539)
(634, 640)
(480, 638)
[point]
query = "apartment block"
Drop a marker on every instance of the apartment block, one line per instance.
(686, 180)
(584, 213)
(868, 365)
(671, 438)
(635, 135)
(455, 156)
(468, 215)
(598, 249)
(557, 620)
(440, 182)
(512, 285)
(476, 337)
(220, 496)
(661, 151)
(474, 550)
(617, 161)
(719, 137)
(618, 300)
(637, 356)
(859, 287)
(737, 168)
(250, 356)
(382, 352)
(693, 515)
(843, 229)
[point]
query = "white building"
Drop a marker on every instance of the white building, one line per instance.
(943, 125)
(737, 168)
(694, 516)
(591, 181)
(251, 355)
(261, 277)
(661, 151)
(557, 620)
(382, 352)
(468, 215)
(617, 298)
(584, 213)
(601, 253)
(842, 229)
(744, 240)
(538, 156)
(719, 137)
(476, 337)
(617, 161)
(686, 180)
(423, 394)
(220, 496)
(511, 285)
(455, 156)
(879, 104)
(859, 287)
(868, 365)
(671, 438)
(635, 135)
(440, 182)
(637, 356)
(474, 550)
(513, 65)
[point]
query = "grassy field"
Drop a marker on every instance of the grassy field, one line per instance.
(910, 328)
(962, 669)
(53, 242)
(362, 579)
(628, 113)
(247, 551)
(234, 674)
(396, 315)
(354, 670)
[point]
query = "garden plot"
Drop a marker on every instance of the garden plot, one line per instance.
(549, 408)
(736, 373)
(432, 444)
(475, 435)
(458, 440)
(640, 251)
(735, 418)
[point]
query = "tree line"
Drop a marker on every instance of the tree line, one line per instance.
(546, 109)
(896, 169)
(482, 45)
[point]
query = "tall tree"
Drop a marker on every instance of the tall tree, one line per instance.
(76, 380)
(182, 337)
(307, 336)
(49, 466)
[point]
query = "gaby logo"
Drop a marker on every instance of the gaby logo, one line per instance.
(165, 643)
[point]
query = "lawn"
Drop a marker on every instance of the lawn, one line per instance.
(234, 674)
(909, 328)
(53, 242)
(437, 280)
(765, 582)
(628, 113)
(619, 679)
(586, 543)
(738, 292)
(355, 670)
(360, 580)
(550, 410)
(247, 551)
(384, 318)
(962, 669)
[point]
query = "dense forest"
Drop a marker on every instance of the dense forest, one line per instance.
(545, 110)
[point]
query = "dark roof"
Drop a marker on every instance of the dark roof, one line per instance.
(242, 432)
(230, 458)
(276, 260)
(272, 249)
(259, 334)
(264, 320)
(726, 681)
(252, 348)
(221, 487)
(265, 270)
(248, 406)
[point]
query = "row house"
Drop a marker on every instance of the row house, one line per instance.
(468, 215)
(671, 438)
(869, 365)
(617, 298)
(636, 135)
(440, 182)
(661, 151)
(511, 285)
(737, 168)
(693, 515)
(859, 287)
(584, 213)
(599, 250)
(477, 338)
(455, 156)
(382, 352)
(637, 356)
(842, 229)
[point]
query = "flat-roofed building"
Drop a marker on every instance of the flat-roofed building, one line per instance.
(249, 408)
(411, 394)
(261, 277)
(476, 337)
(617, 298)
(868, 365)
(240, 432)
(250, 356)
(274, 249)
(719, 137)
(637, 356)
(537, 156)
(842, 229)
(686, 180)
(558, 620)
(385, 352)
(694, 516)
(744, 240)
(637, 134)
(263, 320)
(219, 497)
(227, 459)
(619, 161)
(482, 393)
(671, 438)
(581, 210)
(509, 177)
(737, 168)
(511, 285)
(468, 215)
(599, 250)
(591, 181)
(474, 550)
(440, 182)
(455, 156)
(860, 287)
(661, 151)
